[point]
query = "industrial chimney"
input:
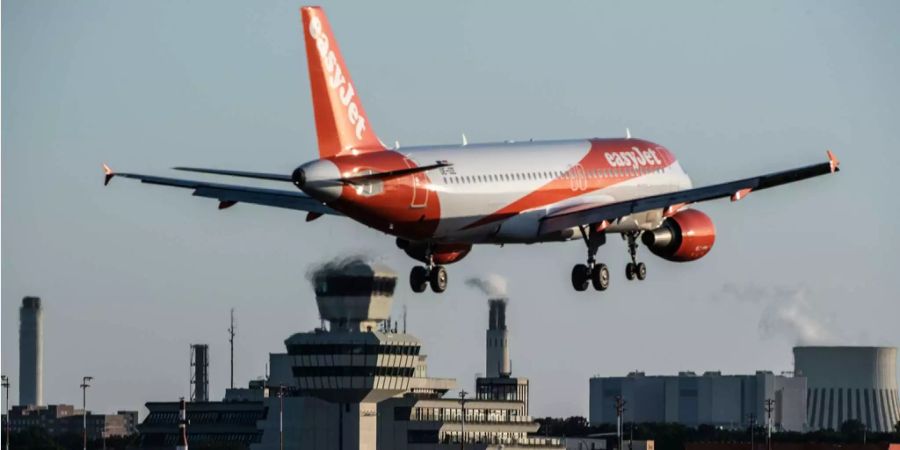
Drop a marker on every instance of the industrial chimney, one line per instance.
(199, 373)
(497, 354)
(31, 352)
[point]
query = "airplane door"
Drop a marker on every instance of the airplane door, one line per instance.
(419, 191)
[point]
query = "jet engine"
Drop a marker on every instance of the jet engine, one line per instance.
(441, 253)
(685, 236)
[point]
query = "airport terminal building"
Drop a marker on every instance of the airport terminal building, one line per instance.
(359, 383)
(729, 401)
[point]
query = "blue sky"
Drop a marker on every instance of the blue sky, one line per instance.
(132, 274)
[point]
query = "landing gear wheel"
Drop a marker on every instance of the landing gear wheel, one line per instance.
(641, 271)
(600, 277)
(630, 271)
(418, 279)
(438, 279)
(580, 277)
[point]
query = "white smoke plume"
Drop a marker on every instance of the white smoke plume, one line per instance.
(492, 285)
(787, 313)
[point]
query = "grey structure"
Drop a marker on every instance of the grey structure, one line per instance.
(31, 352)
(712, 399)
(199, 372)
(850, 383)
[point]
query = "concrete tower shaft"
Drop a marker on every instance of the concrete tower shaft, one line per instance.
(497, 341)
(31, 352)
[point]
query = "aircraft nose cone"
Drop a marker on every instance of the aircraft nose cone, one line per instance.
(319, 179)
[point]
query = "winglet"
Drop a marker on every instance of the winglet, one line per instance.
(835, 163)
(109, 174)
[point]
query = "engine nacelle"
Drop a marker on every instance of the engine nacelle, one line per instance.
(686, 236)
(441, 253)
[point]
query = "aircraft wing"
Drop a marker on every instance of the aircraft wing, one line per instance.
(582, 215)
(228, 195)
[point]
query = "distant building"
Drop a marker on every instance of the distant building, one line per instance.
(209, 423)
(727, 401)
(845, 383)
(65, 419)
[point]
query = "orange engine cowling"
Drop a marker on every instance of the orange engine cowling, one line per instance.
(686, 236)
(441, 254)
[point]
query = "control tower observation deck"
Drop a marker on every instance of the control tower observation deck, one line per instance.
(354, 362)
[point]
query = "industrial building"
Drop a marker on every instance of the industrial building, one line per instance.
(847, 383)
(729, 401)
(31, 352)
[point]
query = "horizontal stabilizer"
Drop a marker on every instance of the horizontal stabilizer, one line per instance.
(357, 179)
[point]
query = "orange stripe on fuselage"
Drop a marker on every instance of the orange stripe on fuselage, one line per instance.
(565, 187)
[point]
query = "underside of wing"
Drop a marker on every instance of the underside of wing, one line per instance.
(581, 215)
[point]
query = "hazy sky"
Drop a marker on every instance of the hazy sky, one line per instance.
(132, 274)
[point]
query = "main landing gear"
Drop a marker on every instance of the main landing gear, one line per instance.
(420, 277)
(634, 269)
(592, 273)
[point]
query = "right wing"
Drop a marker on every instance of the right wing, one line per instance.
(228, 194)
(587, 214)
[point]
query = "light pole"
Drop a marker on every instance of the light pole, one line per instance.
(752, 429)
(281, 417)
(462, 405)
(770, 406)
(84, 386)
(620, 411)
(6, 387)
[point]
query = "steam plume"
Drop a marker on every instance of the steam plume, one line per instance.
(492, 285)
(787, 313)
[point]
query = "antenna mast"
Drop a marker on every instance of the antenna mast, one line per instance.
(231, 344)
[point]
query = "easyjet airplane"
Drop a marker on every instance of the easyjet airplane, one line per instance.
(439, 201)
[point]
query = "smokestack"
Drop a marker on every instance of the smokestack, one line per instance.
(31, 352)
(199, 373)
(497, 341)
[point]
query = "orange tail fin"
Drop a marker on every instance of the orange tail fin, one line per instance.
(341, 122)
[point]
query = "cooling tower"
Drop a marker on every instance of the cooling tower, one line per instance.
(31, 352)
(847, 383)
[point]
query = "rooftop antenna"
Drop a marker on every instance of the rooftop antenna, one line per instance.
(231, 330)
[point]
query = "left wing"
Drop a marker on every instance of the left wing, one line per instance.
(228, 195)
(576, 216)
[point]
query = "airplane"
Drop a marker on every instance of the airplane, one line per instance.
(439, 201)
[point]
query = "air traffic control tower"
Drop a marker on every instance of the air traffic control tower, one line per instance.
(356, 362)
